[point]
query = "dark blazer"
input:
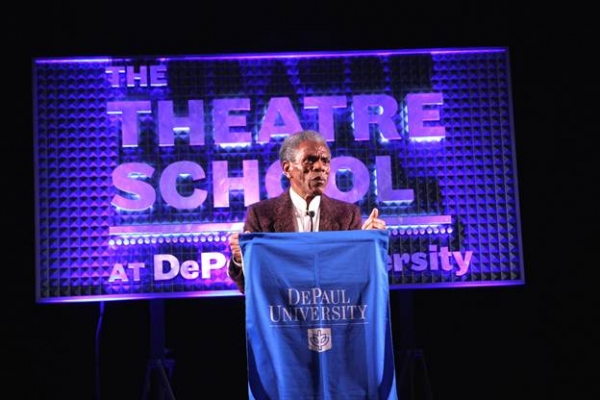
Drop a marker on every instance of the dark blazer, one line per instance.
(277, 215)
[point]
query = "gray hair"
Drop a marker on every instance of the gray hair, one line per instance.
(289, 147)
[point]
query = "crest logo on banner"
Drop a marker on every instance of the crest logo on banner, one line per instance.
(319, 339)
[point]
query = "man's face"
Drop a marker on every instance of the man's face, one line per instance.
(310, 172)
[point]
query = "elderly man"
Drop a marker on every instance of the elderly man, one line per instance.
(306, 161)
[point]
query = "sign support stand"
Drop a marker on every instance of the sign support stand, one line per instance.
(160, 368)
(410, 356)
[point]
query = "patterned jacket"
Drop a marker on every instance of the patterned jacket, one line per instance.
(277, 215)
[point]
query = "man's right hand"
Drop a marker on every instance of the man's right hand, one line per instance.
(234, 246)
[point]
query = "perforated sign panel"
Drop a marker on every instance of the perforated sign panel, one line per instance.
(145, 165)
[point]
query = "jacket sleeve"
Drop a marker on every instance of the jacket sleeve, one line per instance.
(234, 270)
(236, 273)
(357, 222)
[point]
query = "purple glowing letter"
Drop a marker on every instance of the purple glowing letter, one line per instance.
(193, 123)
(223, 121)
(280, 119)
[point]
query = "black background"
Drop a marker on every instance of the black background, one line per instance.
(521, 342)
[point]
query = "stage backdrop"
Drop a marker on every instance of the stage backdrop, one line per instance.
(145, 164)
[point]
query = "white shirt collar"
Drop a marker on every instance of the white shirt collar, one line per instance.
(300, 210)
(300, 203)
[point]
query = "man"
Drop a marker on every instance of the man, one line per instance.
(306, 161)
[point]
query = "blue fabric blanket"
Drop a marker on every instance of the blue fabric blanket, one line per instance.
(317, 315)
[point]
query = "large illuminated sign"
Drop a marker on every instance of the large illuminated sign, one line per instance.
(145, 165)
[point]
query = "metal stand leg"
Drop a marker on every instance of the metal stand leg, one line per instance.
(160, 368)
(411, 356)
(156, 372)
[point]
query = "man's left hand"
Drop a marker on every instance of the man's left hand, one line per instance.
(373, 222)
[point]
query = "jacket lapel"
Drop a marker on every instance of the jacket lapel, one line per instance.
(325, 222)
(284, 214)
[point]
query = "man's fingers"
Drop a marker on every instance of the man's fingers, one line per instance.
(374, 214)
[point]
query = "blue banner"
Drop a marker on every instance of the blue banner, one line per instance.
(317, 315)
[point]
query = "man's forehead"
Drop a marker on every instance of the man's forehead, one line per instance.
(313, 148)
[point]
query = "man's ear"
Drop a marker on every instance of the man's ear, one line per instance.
(285, 167)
